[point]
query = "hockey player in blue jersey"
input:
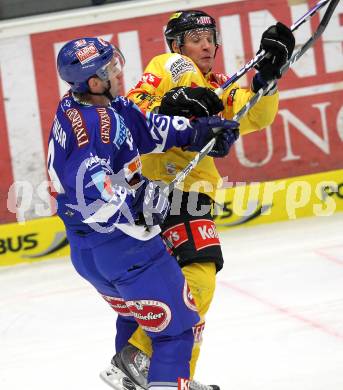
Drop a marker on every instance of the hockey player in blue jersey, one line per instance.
(111, 212)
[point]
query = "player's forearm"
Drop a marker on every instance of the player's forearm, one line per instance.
(261, 115)
(258, 117)
(166, 132)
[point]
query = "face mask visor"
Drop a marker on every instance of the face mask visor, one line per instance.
(197, 34)
(112, 68)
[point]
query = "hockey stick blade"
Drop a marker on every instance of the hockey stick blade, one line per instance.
(251, 103)
(311, 41)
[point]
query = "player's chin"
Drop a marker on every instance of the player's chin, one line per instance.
(205, 64)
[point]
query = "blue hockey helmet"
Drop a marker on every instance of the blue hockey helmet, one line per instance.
(80, 59)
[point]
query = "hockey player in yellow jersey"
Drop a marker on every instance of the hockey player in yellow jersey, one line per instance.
(182, 83)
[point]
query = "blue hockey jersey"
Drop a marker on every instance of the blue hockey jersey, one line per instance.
(94, 156)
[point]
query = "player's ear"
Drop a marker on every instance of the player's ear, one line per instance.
(175, 47)
(94, 83)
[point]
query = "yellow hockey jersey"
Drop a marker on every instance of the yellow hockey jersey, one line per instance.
(170, 70)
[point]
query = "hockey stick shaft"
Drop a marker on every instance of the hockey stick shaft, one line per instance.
(208, 147)
(192, 164)
(295, 57)
(310, 42)
(257, 96)
(219, 91)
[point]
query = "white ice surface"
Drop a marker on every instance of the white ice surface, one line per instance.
(276, 322)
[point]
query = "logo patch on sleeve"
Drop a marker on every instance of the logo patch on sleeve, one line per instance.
(231, 97)
(204, 233)
(149, 78)
(153, 316)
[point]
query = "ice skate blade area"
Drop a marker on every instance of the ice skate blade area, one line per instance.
(276, 322)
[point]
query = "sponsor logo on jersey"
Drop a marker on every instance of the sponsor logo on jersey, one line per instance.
(87, 53)
(219, 78)
(231, 97)
(132, 167)
(66, 101)
(171, 168)
(153, 316)
(59, 134)
(144, 101)
(78, 126)
(177, 67)
(198, 330)
(108, 189)
(204, 233)
(176, 235)
(105, 124)
(118, 304)
(149, 78)
(94, 161)
(188, 297)
(121, 133)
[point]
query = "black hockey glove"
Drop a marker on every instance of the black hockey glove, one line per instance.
(278, 41)
(188, 102)
(204, 129)
(150, 203)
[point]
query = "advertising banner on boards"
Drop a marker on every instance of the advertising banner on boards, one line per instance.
(306, 137)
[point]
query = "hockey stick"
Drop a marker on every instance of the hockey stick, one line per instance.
(295, 57)
(208, 147)
(320, 29)
(219, 91)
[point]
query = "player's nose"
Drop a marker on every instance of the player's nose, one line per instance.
(205, 44)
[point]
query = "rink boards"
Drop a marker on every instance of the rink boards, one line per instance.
(305, 138)
(319, 195)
